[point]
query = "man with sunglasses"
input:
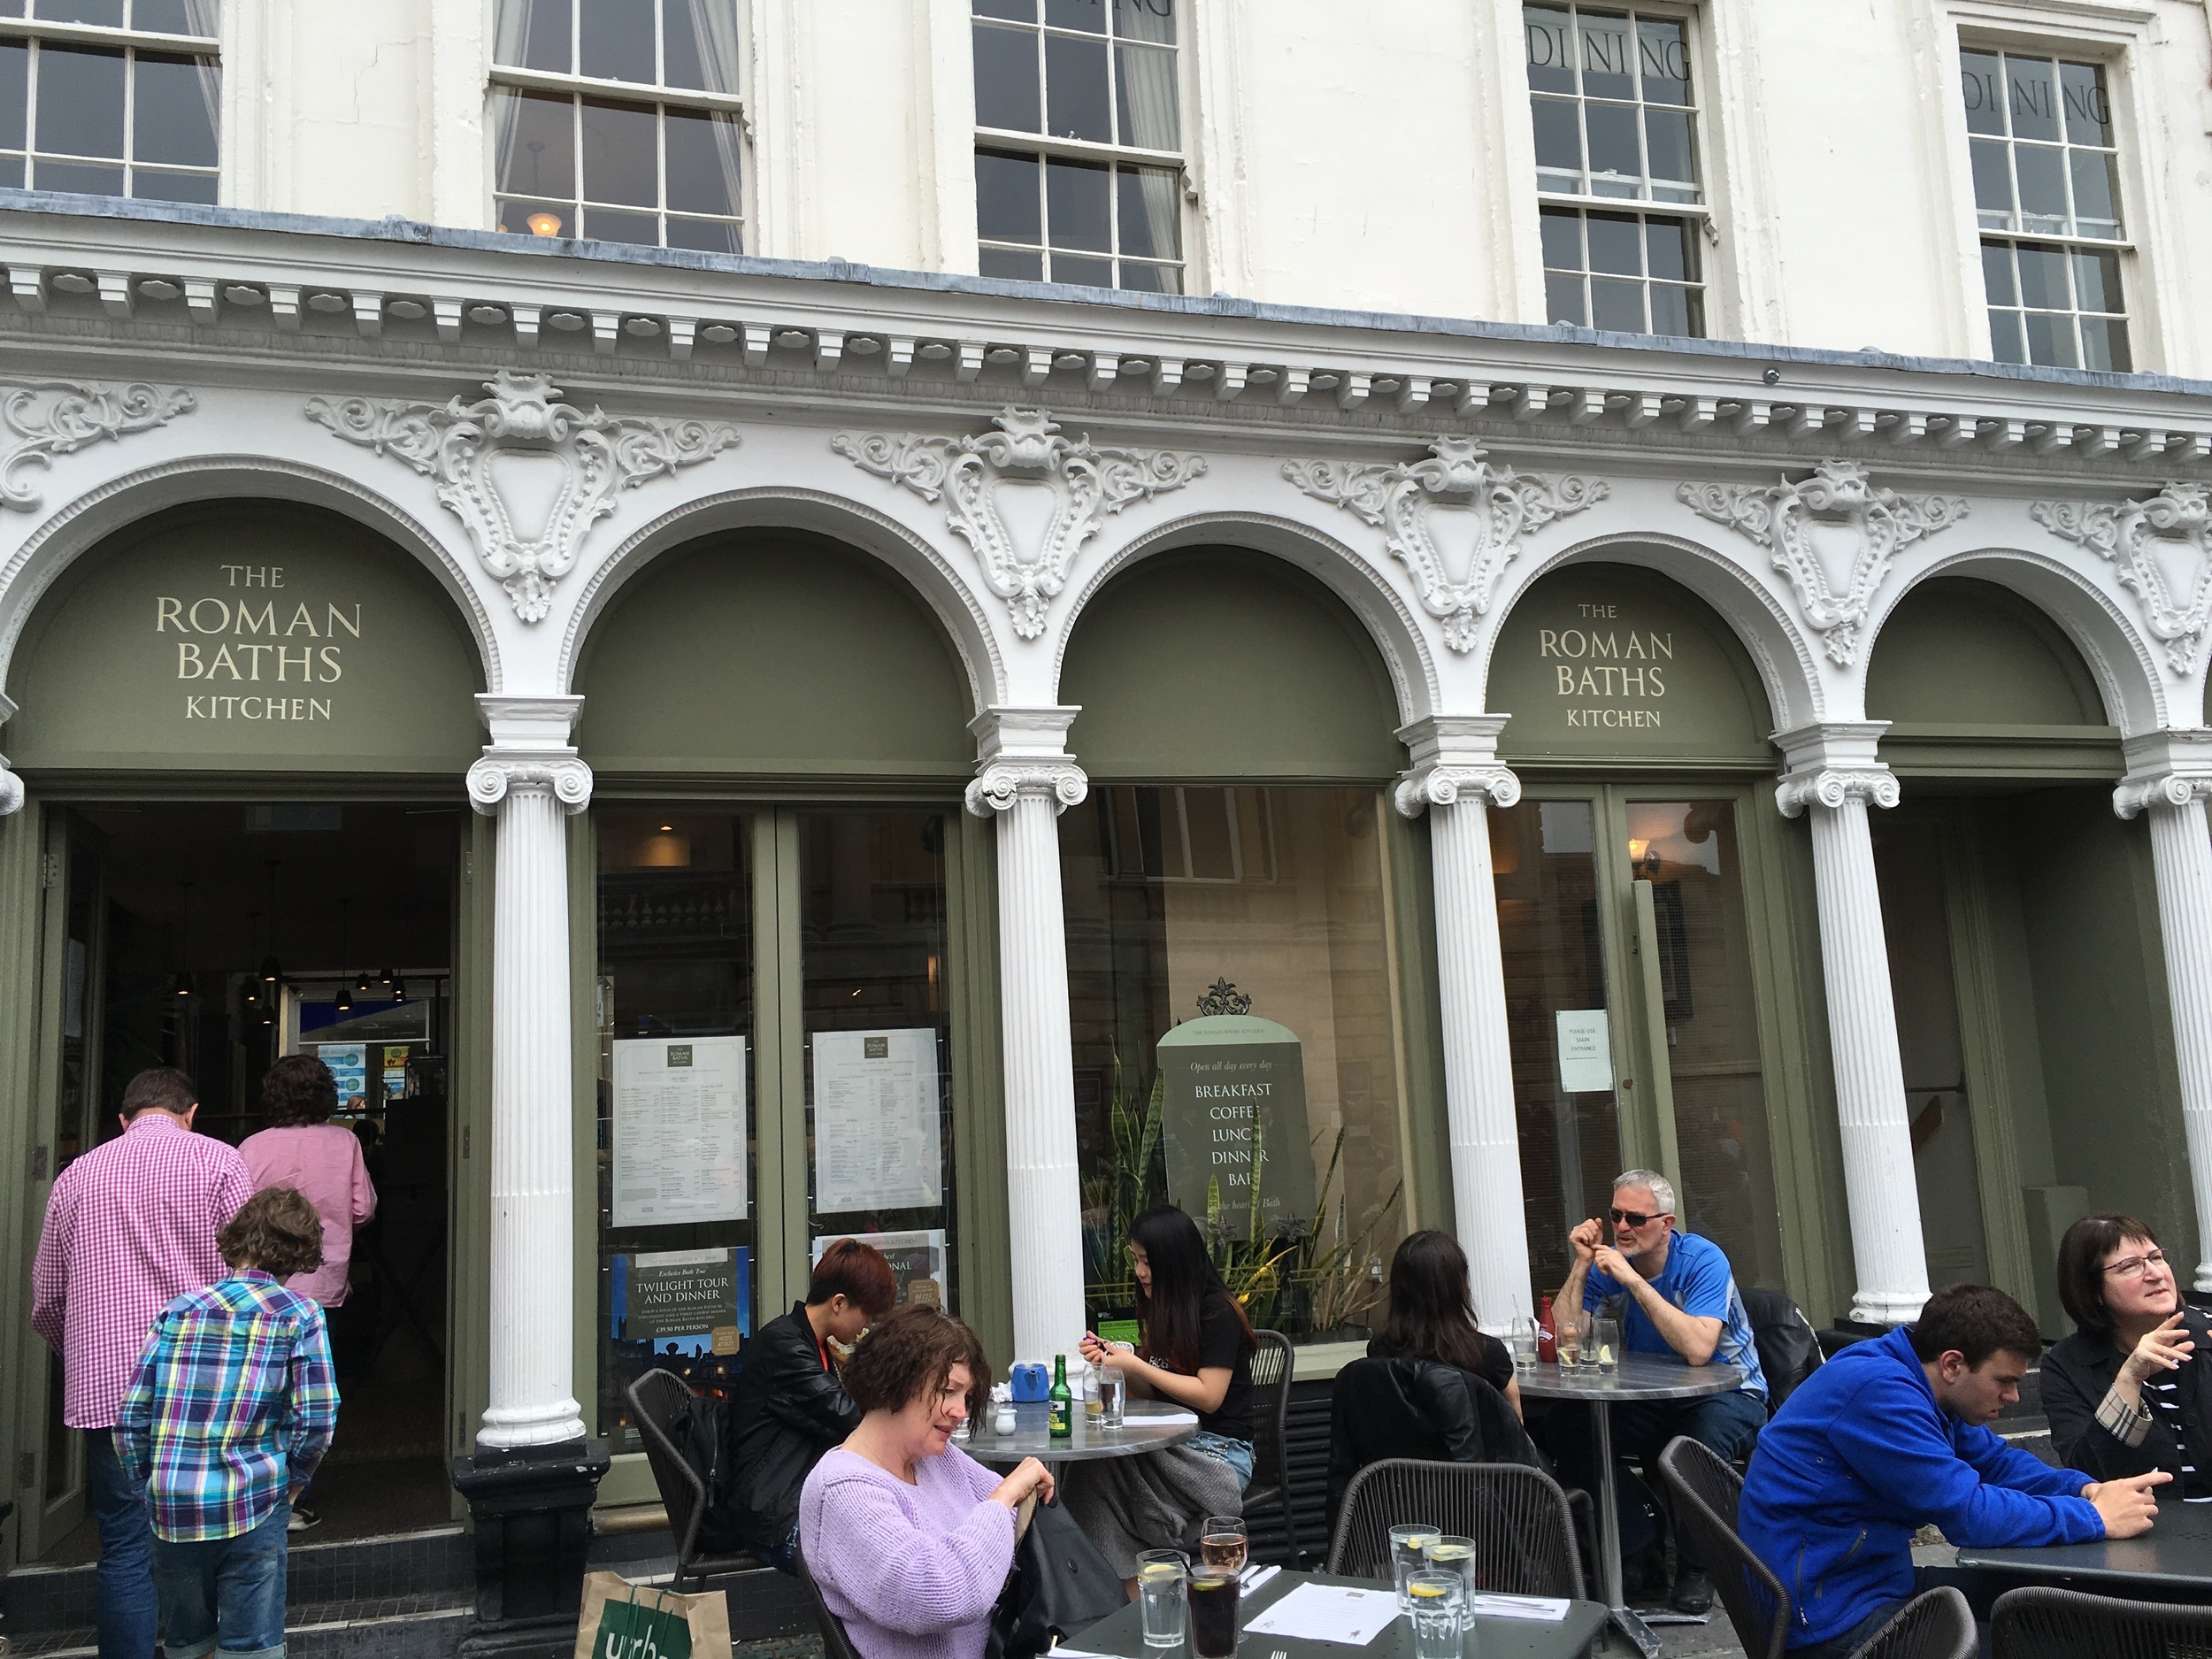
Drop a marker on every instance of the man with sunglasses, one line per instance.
(1676, 1298)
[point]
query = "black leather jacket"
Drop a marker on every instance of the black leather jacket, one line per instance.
(2079, 1370)
(785, 1413)
(1417, 1408)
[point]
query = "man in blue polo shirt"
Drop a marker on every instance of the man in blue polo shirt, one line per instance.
(1676, 1298)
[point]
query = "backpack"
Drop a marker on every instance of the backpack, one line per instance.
(1788, 1350)
(1059, 1584)
(703, 1440)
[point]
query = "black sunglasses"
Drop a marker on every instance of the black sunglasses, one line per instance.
(1634, 1218)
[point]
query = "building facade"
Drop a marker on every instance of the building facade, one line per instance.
(938, 620)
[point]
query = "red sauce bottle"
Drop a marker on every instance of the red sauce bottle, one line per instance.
(1546, 1335)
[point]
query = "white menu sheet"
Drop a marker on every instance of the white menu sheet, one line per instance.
(877, 1143)
(679, 1131)
(1328, 1612)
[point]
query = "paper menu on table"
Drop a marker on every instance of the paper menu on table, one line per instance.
(678, 1138)
(877, 1141)
(1328, 1612)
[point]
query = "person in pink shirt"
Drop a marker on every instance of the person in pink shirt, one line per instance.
(302, 1149)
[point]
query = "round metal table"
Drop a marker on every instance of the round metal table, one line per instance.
(1639, 1376)
(1147, 1425)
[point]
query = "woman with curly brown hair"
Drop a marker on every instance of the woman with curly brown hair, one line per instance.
(909, 1538)
(302, 1149)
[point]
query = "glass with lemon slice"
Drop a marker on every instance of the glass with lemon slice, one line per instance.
(1436, 1602)
(1162, 1596)
(1410, 1544)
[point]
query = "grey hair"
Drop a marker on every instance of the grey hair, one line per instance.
(1661, 1188)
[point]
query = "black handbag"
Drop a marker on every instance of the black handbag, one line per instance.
(1059, 1584)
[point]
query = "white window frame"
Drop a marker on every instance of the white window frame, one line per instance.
(511, 78)
(37, 32)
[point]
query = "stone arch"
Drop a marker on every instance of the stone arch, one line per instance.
(923, 567)
(1388, 620)
(83, 523)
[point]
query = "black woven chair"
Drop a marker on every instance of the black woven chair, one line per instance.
(1935, 1625)
(835, 1643)
(659, 1401)
(1272, 1365)
(2059, 1623)
(1524, 1543)
(1705, 1490)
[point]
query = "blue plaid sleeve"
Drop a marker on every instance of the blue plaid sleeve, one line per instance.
(135, 1424)
(314, 1399)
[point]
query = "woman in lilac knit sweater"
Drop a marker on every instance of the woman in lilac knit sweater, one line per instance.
(909, 1540)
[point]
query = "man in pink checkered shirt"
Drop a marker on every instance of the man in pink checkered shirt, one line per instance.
(130, 1226)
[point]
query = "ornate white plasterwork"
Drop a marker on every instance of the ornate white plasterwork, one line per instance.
(497, 774)
(1443, 786)
(1002, 782)
(1399, 498)
(456, 446)
(49, 418)
(1833, 786)
(2128, 534)
(11, 789)
(1088, 483)
(1784, 518)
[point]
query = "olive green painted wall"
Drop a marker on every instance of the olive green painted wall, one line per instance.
(24, 1116)
(1957, 652)
(1610, 663)
(775, 653)
(221, 638)
(1226, 666)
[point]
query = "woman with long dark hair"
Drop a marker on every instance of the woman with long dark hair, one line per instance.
(1432, 1315)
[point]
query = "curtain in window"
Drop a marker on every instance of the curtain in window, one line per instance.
(205, 18)
(510, 32)
(715, 22)
(1148, 91)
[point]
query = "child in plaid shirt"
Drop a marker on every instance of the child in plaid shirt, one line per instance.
(233, 1407)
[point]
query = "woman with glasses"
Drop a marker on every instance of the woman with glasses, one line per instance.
(2124, 1394)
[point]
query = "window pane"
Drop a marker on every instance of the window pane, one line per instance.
(1616, 305)
(1087, 15)
(2043, 277)
(1076, 204)
(11, 173)
(15, 67)
(2097, 282)
(1150, 214)
(1997, 273)
(536, 138)
(1003, 262)
(681, 65)
(1667, 140)
(608, 225)
(1993, 184)
(1090, 274)
(532, 35)
(1615, 244)
(701, 161)
(1075, 89)
(1145, 21)
(1151, 278)
(2088, 113)
(157, 184)
(176, 115)
(80, 104)
(1019, 11)
(1978, 80)
(2005, 342)
(1615, 166)
(2051, 341)
(78, 179)
(1673, 248)
(1144, 90)
(1558, 141)
(705, 236)
(614, 41)
(1006, 78)
(620, 162)
(1562, 231)
(2096, 193)
(105, 13)
(169, 17)
(2104, 344)
(2032, 95)
(1608, 57)
(1006, 200)
(1663, 60)
(1670, 310)
(1562, 299)
(553, 219)
(2042, 188)
(1550, 66)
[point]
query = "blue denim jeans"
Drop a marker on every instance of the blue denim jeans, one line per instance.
(226, 1593)
(1237, 1453)
(126, 1620)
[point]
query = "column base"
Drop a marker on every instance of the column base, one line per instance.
(1886, 1308)
(532, 1506)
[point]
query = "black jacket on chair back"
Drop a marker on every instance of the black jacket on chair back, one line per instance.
(2079, 1370)
(1418, 1407)
(787, 1411)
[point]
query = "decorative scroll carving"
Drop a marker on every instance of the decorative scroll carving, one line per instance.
(1444, 784)
(1787, 520)
(2130, 533)
(1087, 484)
(1833, 786)
(2173, 789)
(456, 445)
(1222, 997)
(1002, 782)
(11, 789)
(49, 418)
(1399, 499)
(497, 776)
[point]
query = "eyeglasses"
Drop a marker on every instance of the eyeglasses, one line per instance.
(1637, 1219)
(2134, 1267)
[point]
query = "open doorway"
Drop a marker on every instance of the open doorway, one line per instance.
(219, 937)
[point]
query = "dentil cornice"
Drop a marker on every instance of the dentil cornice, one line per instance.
(1087, 484)
(49, 418)
(1791, 521)
(2146, 541)
(1399, 499)
(1000, 783)
(558, 772)
(457, 445)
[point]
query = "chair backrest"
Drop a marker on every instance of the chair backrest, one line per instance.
(1525, 1542)
(1271, 1369)
(1937, 1623)
(658, 1402)
(1705, 1491)
(1789, 1348)
(835, 1643)
(2061, 1623)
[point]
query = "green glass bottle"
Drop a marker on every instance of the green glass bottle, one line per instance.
(1062, 1402)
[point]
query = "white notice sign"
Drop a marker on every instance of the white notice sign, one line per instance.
(1585, 1051)
(876, 1139)
(679, 1131)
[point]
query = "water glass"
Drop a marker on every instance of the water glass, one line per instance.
(1569, 1326)
(1113, 1395)
(1454, 1555)
(1408, 1554)
(1162, 1596)
(1520, 1341)
(1221, 1542)
(1605, 1338)
(1437, 1603)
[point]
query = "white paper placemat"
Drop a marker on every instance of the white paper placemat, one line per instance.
(1328, 1612)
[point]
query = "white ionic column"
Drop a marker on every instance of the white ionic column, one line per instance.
(10, 786)
(1456, 777)
(1026, 779)
(1832, 770)
(2171, 778)
(532, 781)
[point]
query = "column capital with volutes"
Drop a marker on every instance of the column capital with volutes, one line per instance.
(1831, 763)
(10, 786)
(2169, 768)
(529, 752)
(1022, 752)
(1455, 758)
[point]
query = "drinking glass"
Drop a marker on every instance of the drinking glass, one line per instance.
(1520, 1341)
(1213, 1613)
(1113, 1393)
(1605, 1338)
(1221, 1542)
(1437, 1602)
(1162, 1596)
(1408, 1554)
(1454, 1555)
(1569, 1326)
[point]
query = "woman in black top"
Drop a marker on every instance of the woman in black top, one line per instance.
(2124, 1394)
(1432, 1315)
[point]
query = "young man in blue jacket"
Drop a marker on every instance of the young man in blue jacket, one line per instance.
(1892, 1434)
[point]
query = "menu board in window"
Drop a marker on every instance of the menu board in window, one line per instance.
(679, 1131)
(877, 1144)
